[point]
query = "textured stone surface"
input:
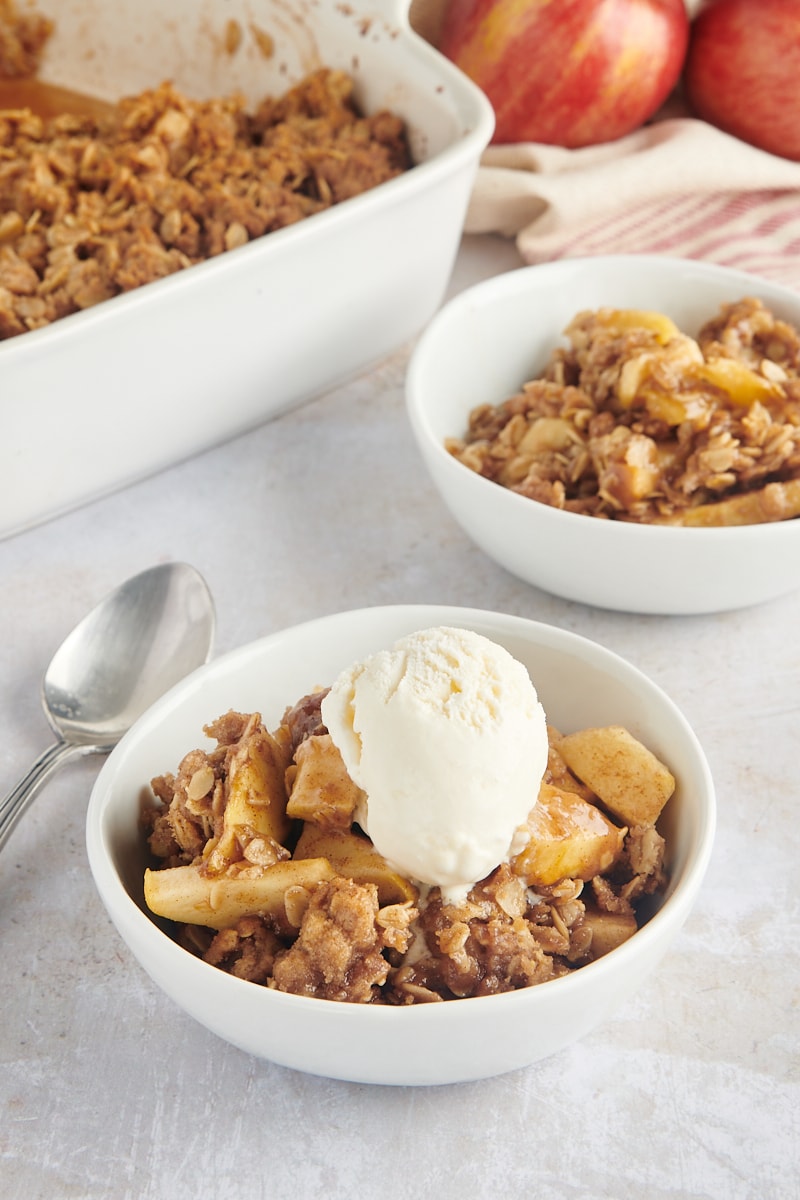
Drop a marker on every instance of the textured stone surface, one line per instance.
(108, 1090)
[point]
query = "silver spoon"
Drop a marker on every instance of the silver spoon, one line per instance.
(138, 641)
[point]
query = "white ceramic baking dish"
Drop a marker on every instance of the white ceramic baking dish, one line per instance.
(109, 395)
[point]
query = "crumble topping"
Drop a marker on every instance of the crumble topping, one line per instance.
(92, 207)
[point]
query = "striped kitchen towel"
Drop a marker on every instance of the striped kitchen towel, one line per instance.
(677, 186)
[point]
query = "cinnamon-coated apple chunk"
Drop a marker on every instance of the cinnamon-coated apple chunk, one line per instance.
(190, 896)
(609, 930)
(354, 857)
(256, 795)
(569, 838)
(320, 790)
(628, 779)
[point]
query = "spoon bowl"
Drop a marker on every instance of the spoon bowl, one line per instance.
(141, 639)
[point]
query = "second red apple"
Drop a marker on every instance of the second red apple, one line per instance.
(568, 72)
(743, 71)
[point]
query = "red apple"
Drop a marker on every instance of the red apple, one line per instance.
(568, 72)
(743, 71)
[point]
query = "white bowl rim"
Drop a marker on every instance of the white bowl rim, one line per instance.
(518, 280)
(125, 911)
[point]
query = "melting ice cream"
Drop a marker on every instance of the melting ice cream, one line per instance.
(445, 735)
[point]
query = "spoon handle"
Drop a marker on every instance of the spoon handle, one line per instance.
(15, 803)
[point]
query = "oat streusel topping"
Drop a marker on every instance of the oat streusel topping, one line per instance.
(635, 421)
(91, 207)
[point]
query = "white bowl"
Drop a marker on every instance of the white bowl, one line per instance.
(118, 391)
(579, 683)
(485, 343)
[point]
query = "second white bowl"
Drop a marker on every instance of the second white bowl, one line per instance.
(480, 349)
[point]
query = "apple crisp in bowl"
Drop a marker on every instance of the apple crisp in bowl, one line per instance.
(264, 911)
(262, 867)
(636, 421)
(658, 397)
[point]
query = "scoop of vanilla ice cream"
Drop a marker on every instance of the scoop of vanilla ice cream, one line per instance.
(446, 736)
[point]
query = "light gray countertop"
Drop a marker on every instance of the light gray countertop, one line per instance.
(109, 1090)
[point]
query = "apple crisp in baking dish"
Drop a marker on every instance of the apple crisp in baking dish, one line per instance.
(94, 203)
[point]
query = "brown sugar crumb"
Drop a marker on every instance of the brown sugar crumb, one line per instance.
(501, 938)
(248, 951)
(478, 947)
(92, 207)
(338, 952)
